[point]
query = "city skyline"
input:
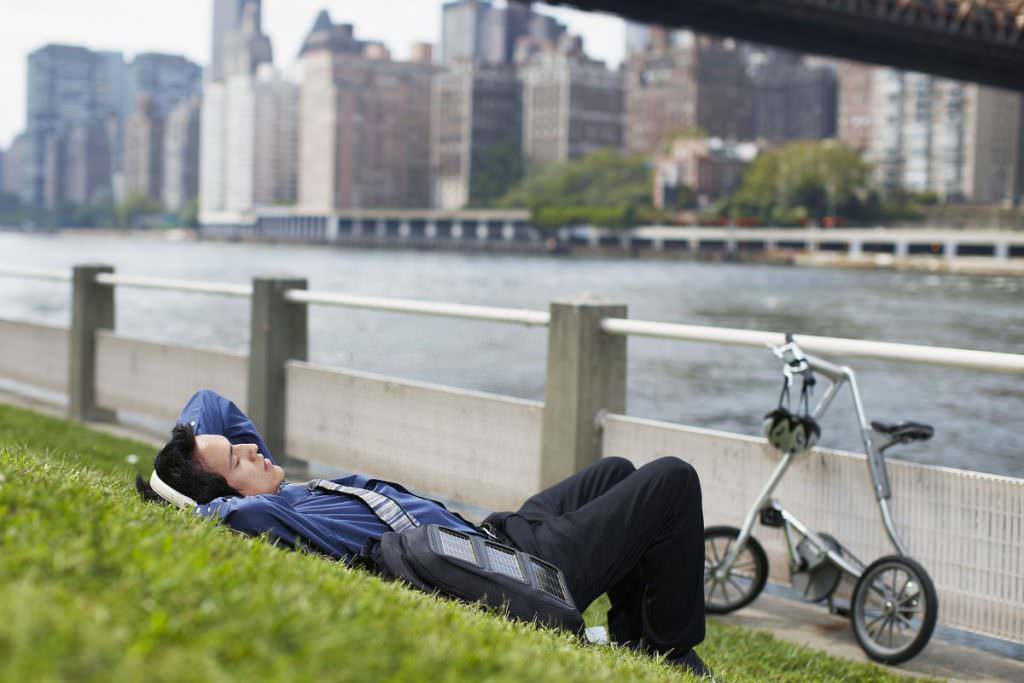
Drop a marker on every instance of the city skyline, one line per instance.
(185, 29)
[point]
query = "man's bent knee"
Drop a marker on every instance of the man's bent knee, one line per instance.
(620, 467)
(677, 473)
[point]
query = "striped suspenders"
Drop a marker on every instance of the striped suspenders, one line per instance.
(387, 511)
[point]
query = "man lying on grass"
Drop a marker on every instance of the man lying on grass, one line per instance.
(635, 534)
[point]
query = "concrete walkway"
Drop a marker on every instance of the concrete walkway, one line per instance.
(812, 625)
(790, 620)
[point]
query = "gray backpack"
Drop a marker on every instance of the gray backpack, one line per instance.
(474, 569)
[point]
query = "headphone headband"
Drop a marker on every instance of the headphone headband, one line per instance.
(173, 497)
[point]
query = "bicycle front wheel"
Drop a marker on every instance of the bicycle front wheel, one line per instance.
(730, 590)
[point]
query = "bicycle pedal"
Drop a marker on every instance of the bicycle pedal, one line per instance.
(771, 517)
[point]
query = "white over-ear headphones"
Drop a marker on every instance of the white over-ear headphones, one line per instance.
(162, 489)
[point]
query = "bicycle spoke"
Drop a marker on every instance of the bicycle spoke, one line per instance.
(725, 591)
(724, 594)
(899, 596)
(740, 566)
(875, 635)
(877, 590)
(892, 642)
(903, 620)
(867, 627)
(737, 586)
(714, 552)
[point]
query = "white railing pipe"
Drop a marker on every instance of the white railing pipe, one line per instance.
(36, 273)
(989, 361)
(519, 316)
(198, 287)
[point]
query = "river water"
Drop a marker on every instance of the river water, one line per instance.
(976, 415)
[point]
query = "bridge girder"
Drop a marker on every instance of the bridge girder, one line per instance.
(971, 40)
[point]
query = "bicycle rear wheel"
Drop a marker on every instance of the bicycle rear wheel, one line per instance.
(894, 609)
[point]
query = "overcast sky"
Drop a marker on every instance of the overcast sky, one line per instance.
(183, 26)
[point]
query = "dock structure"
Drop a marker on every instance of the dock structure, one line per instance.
(511, 230)
(493, 451)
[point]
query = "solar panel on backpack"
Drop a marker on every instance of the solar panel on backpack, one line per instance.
(504, 561)
(547, 576)
(459, 546)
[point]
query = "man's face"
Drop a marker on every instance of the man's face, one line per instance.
(242, 465)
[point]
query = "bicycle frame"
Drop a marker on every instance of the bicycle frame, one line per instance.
(839, 376)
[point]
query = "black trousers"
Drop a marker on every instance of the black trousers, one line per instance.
(636, 534)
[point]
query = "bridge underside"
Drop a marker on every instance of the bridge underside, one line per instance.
(978, 40)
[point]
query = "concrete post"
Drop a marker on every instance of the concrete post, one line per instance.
(586, 374)
(92, 308)
(279, 333)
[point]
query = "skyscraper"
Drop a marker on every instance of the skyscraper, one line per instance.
(181, 154)
(792, 101)
(166, 79)
(365, 125)
(855, 101)
(249, 128)
(675, 89)
(144, 150)
(959, 140)
(14, 166)
(227, 17)
(478, 31)
(69, 87)
(476, 113)
(572, 104)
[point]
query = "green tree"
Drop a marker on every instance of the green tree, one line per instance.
(11, 210)
(804, 180)
(134, 207)
(496, 168)
(604, 188)
(188, 216)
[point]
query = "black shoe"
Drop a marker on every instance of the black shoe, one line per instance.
(694, 664)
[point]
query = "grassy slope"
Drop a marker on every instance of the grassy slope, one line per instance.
(98, 586)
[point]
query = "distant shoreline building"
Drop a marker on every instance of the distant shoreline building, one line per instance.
(476, 113)
(792, 100)
(181, 154)
(680, 84)
(572, 104)
(144, 153)
(961, 141)
(365, 123)
(74, 110)
(710, 168)
(249, 129)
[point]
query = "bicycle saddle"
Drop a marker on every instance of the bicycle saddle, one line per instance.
(905, 431)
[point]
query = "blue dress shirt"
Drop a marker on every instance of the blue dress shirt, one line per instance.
(297, 517)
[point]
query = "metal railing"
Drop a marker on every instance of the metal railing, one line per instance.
(989, 361)
(520, 316)
(36, 273)
(986, 361)
(142, 282)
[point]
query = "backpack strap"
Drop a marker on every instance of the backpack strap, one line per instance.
(386, 509)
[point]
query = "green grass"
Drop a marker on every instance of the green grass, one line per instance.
(98, 586)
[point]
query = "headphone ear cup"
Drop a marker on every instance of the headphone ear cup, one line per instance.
(799, 438)
(813, 430)
(768, 426)
(776, 427)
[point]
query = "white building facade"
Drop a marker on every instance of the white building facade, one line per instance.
(959, 140)
(249, 143)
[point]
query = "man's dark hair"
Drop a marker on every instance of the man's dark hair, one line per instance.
(176, 464)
